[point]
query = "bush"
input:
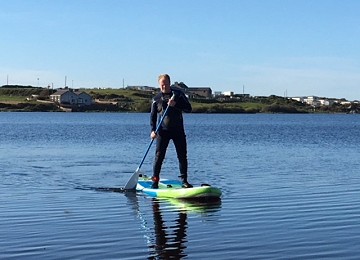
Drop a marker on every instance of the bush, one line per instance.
(275, 108)
(23, 92)
(143, 106)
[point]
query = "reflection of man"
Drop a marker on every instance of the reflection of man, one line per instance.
(164, 247)
(167, 240)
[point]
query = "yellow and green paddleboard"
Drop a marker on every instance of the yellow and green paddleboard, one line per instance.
(173, 189)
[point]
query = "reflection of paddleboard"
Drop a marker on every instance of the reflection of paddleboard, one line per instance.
(197, 205)
(173, 189)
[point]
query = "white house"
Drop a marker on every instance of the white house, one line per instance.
(68, 96)
(326, 102)
(299, 99)
(228, 93)
(312, 101)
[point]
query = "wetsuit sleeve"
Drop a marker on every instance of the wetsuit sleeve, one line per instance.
(182, 102)
(153, 115)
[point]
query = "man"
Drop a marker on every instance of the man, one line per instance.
(172, 128)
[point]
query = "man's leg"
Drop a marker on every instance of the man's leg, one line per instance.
(181, 150)
(162, 143)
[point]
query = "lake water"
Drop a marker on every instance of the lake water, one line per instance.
(290, 183)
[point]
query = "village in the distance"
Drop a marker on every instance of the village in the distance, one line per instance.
(72, 99)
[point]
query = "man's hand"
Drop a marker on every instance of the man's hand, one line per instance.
(171, 102)
(153, 135)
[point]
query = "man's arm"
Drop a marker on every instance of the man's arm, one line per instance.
(182, 102)
(153, 116)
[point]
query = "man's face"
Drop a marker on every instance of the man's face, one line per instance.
(164, 85)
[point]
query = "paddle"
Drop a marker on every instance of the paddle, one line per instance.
(131, 183)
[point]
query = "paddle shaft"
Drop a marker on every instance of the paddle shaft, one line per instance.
(132, 182)
(152, 140)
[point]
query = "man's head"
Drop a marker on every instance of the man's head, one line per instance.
(164, 83)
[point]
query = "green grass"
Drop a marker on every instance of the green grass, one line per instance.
(227, 107)
(143, 98)
(12, 99)
(120, 91)
(248, 106)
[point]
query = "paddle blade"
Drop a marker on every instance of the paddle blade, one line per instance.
(132, 182)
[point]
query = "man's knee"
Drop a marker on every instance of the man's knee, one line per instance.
(159, 155)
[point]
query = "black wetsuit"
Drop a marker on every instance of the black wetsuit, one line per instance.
(172, 128)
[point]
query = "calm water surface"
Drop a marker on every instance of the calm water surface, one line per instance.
(291, 188)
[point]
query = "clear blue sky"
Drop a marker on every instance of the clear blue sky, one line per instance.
(271, 47)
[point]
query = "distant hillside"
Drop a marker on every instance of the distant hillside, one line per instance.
(16, 98)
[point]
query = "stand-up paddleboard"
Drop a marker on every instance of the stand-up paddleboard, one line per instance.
(173, 189)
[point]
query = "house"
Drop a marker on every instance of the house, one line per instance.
(204, 92)
(228, 93)
(299, 99)
(70, 97)
(83, 98)
(326, 101)
(316, 101)
(312, 101)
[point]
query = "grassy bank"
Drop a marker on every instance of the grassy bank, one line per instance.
(16, 98)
